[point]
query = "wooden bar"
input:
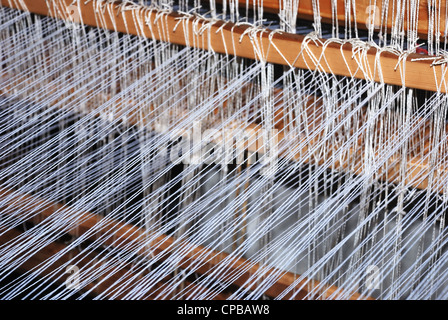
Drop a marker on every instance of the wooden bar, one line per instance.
(225, 38)
(364, 12)
(418, 170)
(288, 49)
(122, 278)
(54, 273)
(198, 258)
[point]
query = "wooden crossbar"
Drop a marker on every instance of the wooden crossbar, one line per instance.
(287, 49)
(364, 13)
(199, 259)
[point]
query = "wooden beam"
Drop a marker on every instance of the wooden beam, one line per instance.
(362, 13)
(418, 170)
(199, 259)
(53, 272)
(288, 49)
(121, 279)
(164, 29)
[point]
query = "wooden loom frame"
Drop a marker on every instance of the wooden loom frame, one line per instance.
(340, 59)
(362, 13)
(277, 48)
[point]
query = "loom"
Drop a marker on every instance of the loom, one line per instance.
(230, 149)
